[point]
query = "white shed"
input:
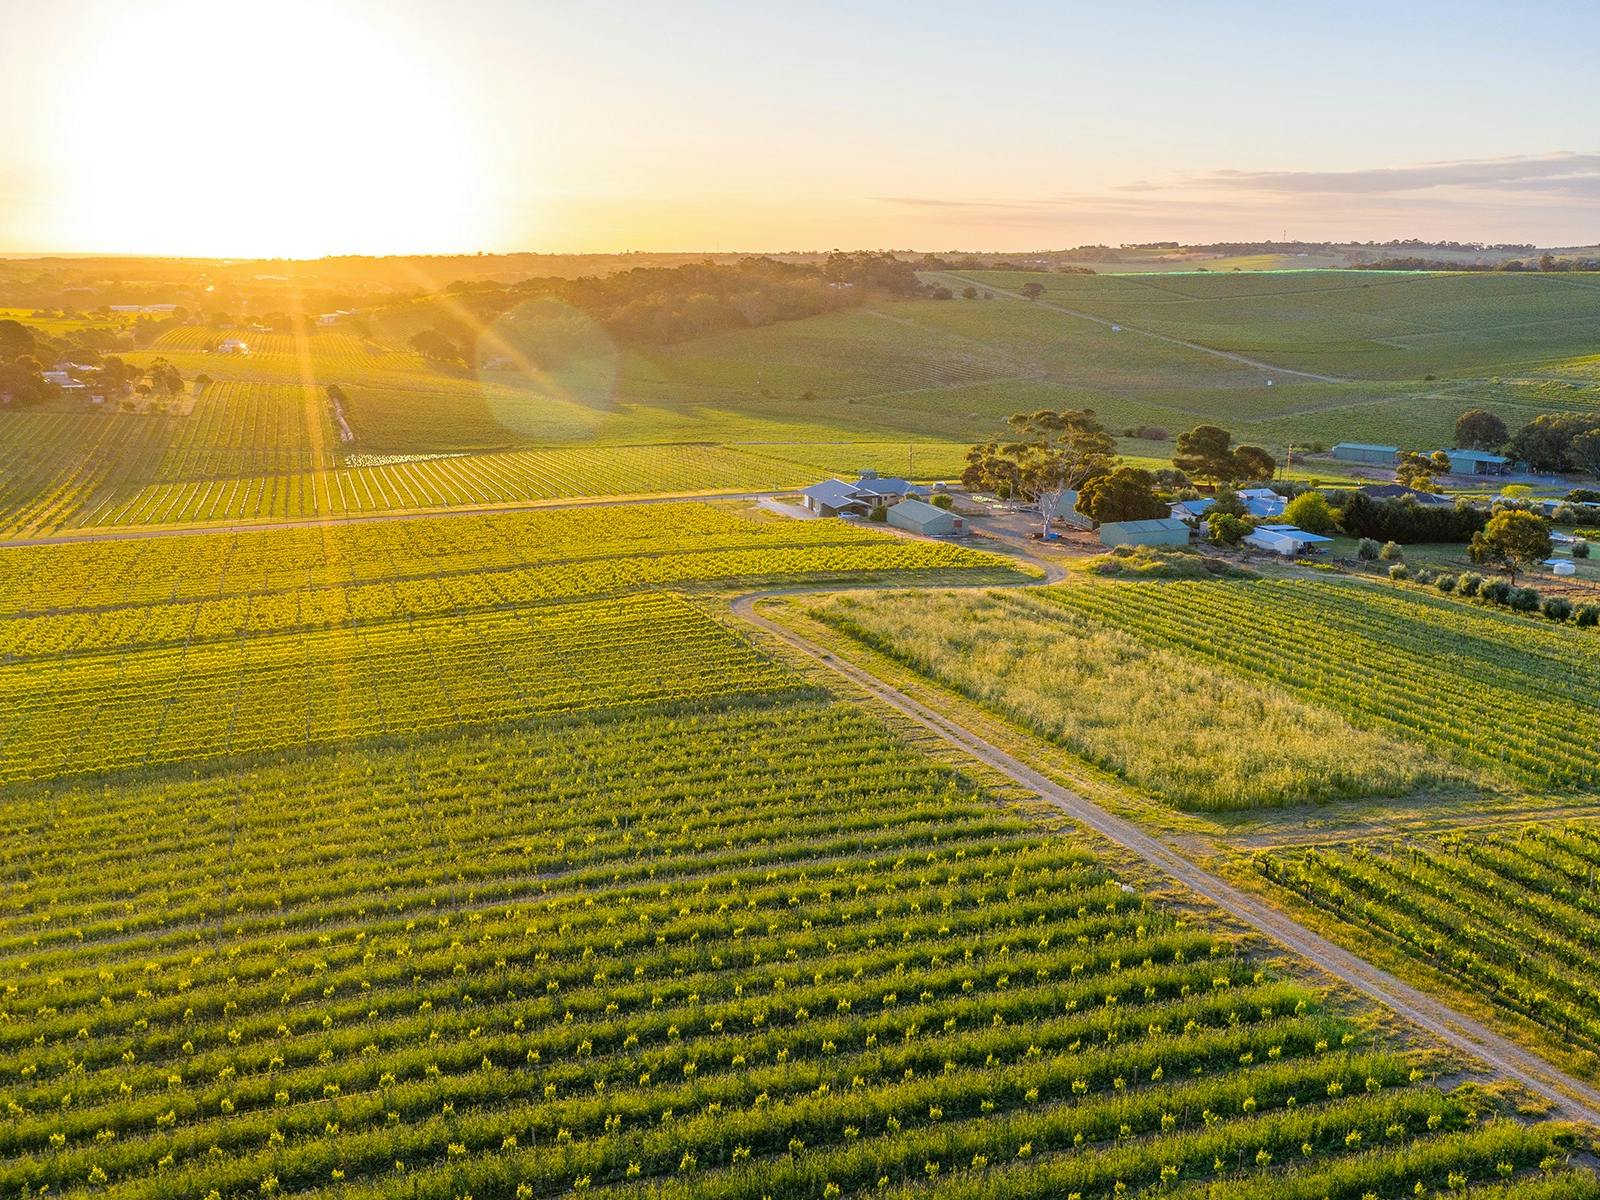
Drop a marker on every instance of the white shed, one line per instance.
(1284, 539)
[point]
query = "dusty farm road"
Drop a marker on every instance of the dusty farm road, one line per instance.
(1199, 347)
(1570, 1098)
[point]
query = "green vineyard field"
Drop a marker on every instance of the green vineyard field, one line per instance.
(1169, 725)
(139, 653)
(742, 954)
(1511, 915)
(1496, 692)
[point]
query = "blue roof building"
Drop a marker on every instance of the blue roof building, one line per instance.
(1476, 462)
(1366, 452)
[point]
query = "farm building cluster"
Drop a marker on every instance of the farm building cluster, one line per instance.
(905, 504)
(1462, 462)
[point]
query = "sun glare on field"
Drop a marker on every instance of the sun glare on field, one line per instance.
(289, 130)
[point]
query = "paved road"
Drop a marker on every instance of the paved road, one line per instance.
(1273, 368)
(1569, 1097)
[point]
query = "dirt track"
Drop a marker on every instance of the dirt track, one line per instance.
(1243, 360)
(1571, 1098)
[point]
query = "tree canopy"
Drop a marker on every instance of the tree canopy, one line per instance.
(1312, 512)
(1513, 540)
(1207, 452)
(1479, 429)
(1545, 443)
(1052, 452)
(1407, 522)
(1123, 494)
(1417, 471)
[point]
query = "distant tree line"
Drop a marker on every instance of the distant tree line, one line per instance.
(1545, 262)
(657, 305)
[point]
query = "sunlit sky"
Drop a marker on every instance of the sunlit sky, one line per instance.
(400, 126)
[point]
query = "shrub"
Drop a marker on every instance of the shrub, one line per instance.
(1445, 583)
(1226, 529)
(1469, 584)
(880, 514)
(1588, 614)
(1424, 576)
(1584, 496)
(1164, 562)
(1391, 552)
(1557, 608)
(942, 500)
(1524, 599)
(1398, 572)
(1367, 549)
(1580, 549)
(1312, 512)
(1496, 591)
(1517, 491)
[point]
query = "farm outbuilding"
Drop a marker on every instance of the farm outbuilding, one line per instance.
(1192, 510)
(915, 516)
(1561, 566)
(1067, 510)
(1159, 531)
(1366, 452)
(1476, 462)
(1284, 539)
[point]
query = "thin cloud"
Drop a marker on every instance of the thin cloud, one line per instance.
(969, 205)
(1565, 173)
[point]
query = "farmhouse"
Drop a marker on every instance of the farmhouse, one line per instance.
(886, 490)
(1159, 531)
(1284, 539)
(834, 497)
(916, 516)
(1366, 452)
(1476, 462)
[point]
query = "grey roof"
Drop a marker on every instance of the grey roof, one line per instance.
(1476, 456)
(920, 510)
(1367, 446)
(1152, 525)
(1398, 491)
(833, 492)
(875, 486)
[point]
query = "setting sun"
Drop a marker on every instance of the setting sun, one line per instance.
(296, 131)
